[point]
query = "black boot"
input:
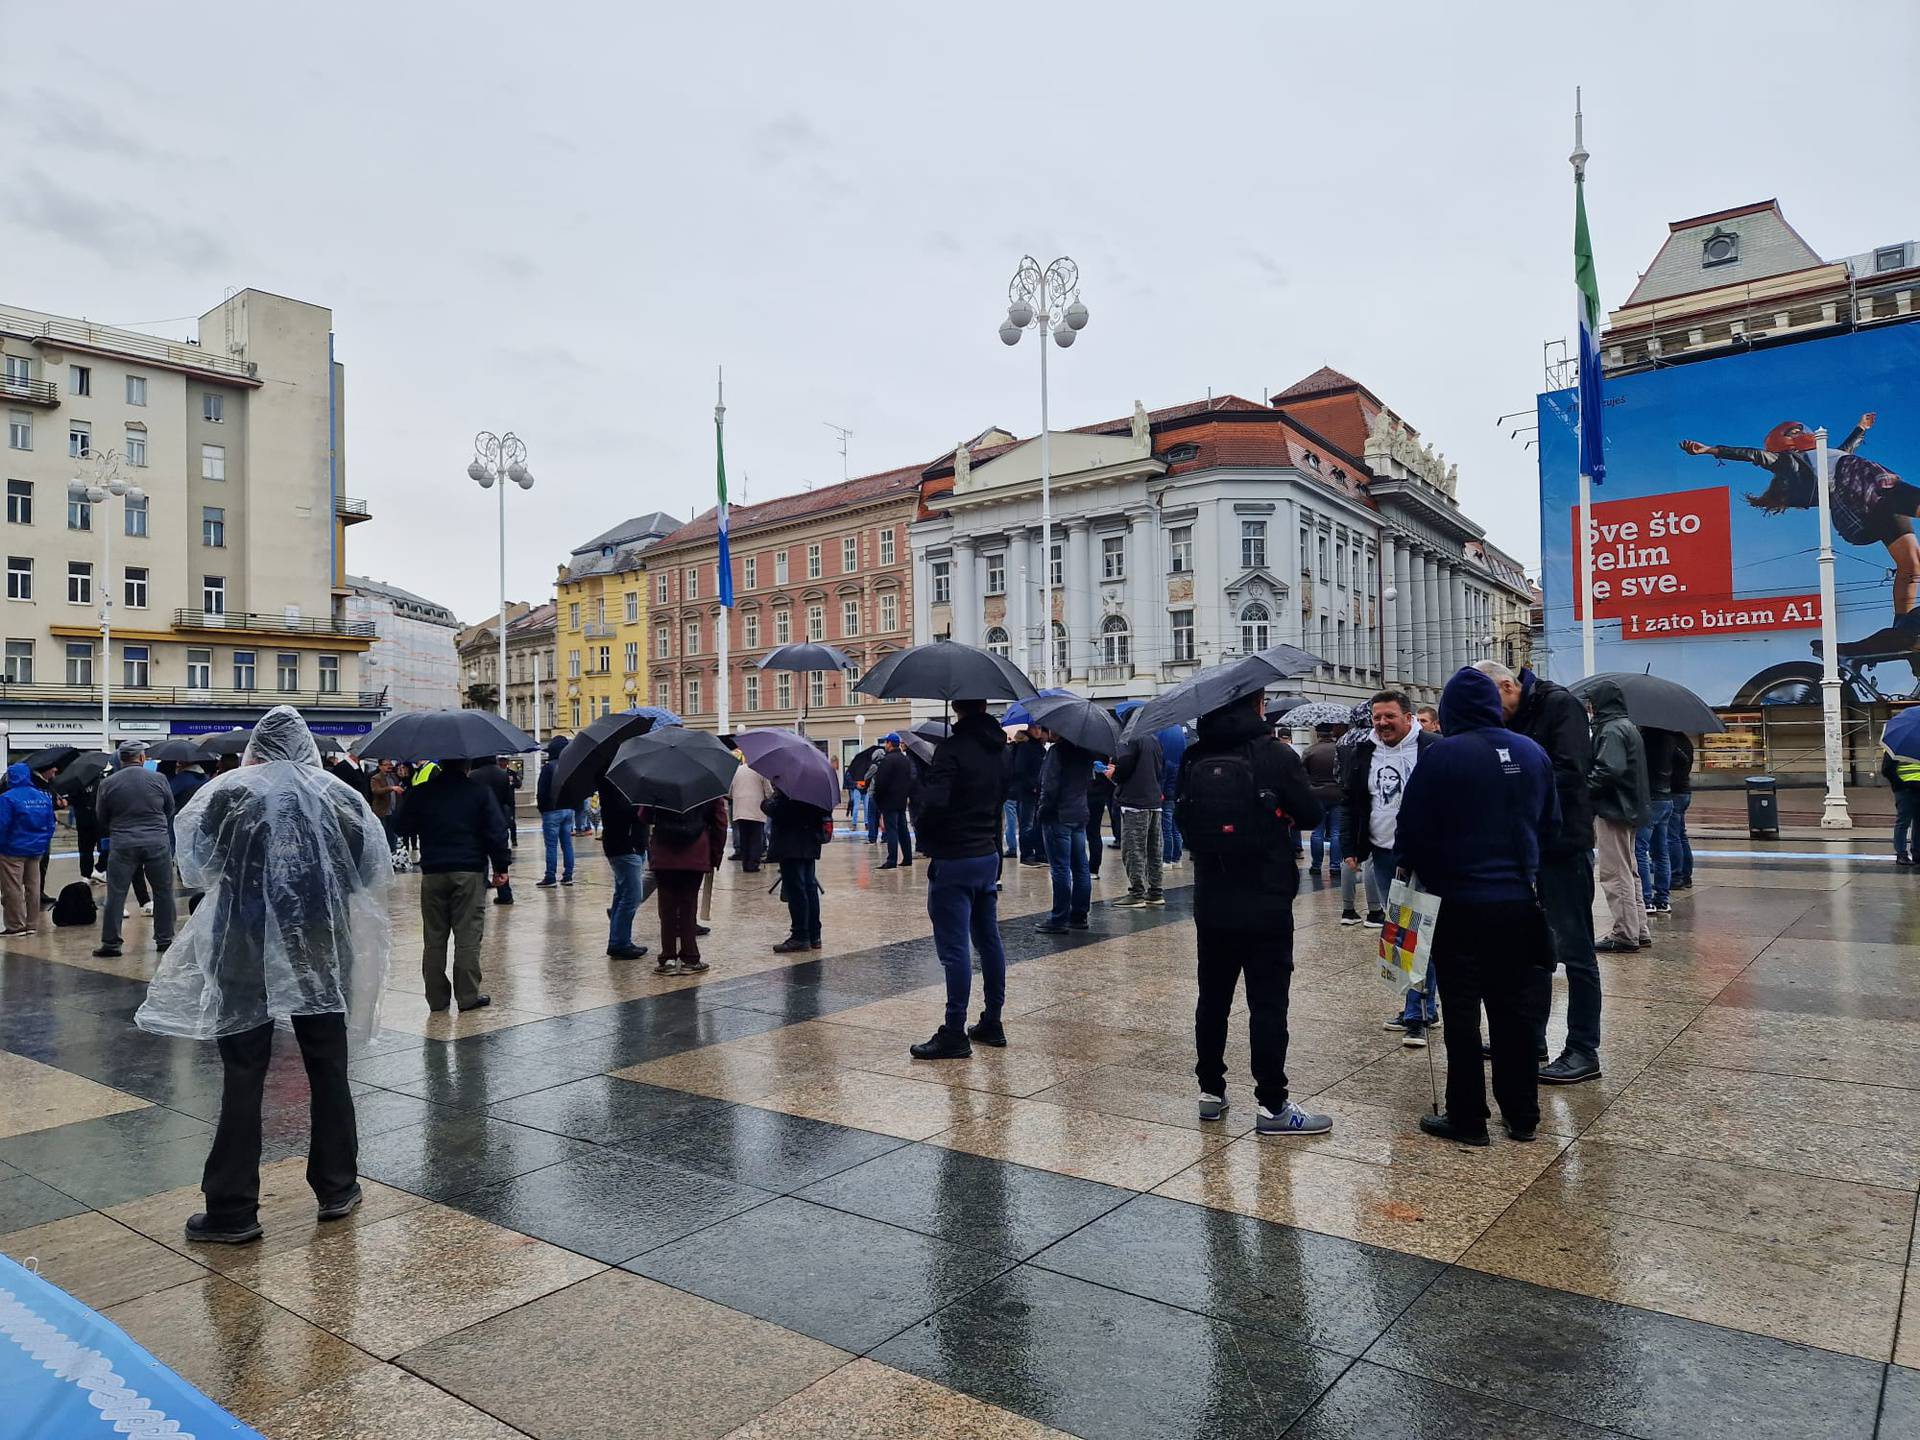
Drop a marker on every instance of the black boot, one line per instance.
(988, 1031)
(945, 1045)
(1443, 1128)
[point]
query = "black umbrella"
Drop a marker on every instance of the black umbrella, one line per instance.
(933, 729)
(54, 756)
(945, 670)
(183, 749)
(584, 760)
(806, 655)
(1657, 704)
(224, 742)
(81, 773)
(1219, 685)
(1078, 721)
(673, 768)
(443, 735)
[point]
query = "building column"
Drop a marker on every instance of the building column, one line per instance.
(965, 609)
(1290, 629)
(922, 597)
(1442, 624)
(1467, 648)
(1403, 612)
(1417, 658)
(1146, 610)
(1079, 587)
(1389, 611)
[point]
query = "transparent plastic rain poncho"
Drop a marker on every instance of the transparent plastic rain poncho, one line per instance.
(294, 869)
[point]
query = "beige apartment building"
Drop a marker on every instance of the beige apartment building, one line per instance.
(532, 690)
(226, 584)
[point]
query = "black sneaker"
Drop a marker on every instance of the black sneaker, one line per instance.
(1570, 1069)
(789, 945)
(988, 1032)
(566, 879)
(1050, 927)
(1523, 1133)
(945, 1044)
(1349, 917)
(1611, 946)
(106, 952)
(1376, 918)
(546, 884)
(1080, 924)
(626, 952)
(694, 965)
(1442, 1128)
(703, 929)
(1415, 1036)
(343, 1207)
(480, 1004)
(200, 1230)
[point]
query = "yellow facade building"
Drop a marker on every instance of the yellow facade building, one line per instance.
(600, 635)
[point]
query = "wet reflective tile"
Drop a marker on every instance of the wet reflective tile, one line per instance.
(841, 1278)
(722, 1072)
(380, 1401)
(1136, 1154)
(874, 1402)
(885, 1104)
(459, 1151)
(1625, 1369)
(603, 1109)
(1369, 1402)
(1869, 1051)
(398, 1283)
(620, 1356)
(610, 1204)
(462, 1079)
(1900, 1405)
(34, 1096)
(98, 1262)
(95, 1142)
(1333, 1292)
(761, 1148)
(25, 1201)
(1095, 1362)
(970, 1200)
(239, 1350)
(103, 1176)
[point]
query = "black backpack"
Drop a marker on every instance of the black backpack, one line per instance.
(1221, 808)
(680, 827)
(75, 905)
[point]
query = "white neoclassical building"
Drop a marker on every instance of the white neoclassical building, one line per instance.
(1191, 535)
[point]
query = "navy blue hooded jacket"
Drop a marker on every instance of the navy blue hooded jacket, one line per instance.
(1478, 803)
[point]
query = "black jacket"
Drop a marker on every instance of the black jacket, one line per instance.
(963, 792)
(1027, 759)
(1553, 718)
(1322, 761)
(1680, 778)
(1617, 784)
(543, 797)
(460, 825)
(497, 783)
(794, 828)
(1251, 892)
(1356, 815)
(623, 831)
(1659, 747)
(1136, 773)
(1063, 784)
(890, 782)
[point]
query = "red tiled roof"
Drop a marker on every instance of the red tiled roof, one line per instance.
(1321, 381)
(860, 490)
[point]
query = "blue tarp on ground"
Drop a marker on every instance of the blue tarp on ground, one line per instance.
(68, 1372)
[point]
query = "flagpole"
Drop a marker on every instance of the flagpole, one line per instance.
(724, 560)
(1579, 159)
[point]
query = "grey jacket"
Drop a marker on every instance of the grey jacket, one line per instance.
(1618, 780)
(135, 804)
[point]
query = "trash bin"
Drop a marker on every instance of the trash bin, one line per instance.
(1763, 810)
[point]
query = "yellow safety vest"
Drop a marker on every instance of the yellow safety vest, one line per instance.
(1907, 770)
(425, 773)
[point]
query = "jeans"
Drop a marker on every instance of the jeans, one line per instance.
(1265, 958)
(583, 819)
(1496, 955)
(231, 1179)
(1566, 899)
(1351, 882)
(1650, 850)
(1032, 845)
(1326, 835)
(1072, 880)
(857, 808)
(452, 904)
(1010, 840)
(629, 886)
(1140, 851)
(128, 862)
(1906, 809)
(1169, 833)
(873, 820)
(556, 829)
(963, 898)
(1679, 847)
(1419, 1007)
(899, 837)
(800, 886)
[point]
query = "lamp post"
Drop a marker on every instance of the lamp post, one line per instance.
(496, 460)
(1833, 809)
(103, 480)
(1047, 302)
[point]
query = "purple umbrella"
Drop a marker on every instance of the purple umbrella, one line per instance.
(790, 761)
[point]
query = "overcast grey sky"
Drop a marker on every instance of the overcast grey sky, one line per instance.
(560, 218)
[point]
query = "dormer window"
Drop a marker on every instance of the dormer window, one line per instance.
(1722, 247)
(1182, 452)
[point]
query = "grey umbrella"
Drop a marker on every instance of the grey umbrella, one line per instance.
(945, 670)
(1219, 685)
(1656, 703)
(1079, 721)
(806, 655)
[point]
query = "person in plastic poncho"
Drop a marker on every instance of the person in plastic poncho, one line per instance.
(292, 930)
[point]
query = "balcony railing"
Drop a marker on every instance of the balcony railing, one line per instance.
(30, 392)
(351, 510)
(275, 624)
(183, 353)
(598, 629)
(129, 695)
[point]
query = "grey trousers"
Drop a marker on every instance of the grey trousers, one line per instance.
(1619, 874)
(455, 905)
(152, 859)
(1140, 846)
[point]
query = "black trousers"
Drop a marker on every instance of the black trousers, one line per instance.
(87, 834)
(231, 1181)
(1498, 955)
(752, 843)
(1265, 958)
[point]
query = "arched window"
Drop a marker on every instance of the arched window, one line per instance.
(1116, 641)
(1255, 627)
(1059, 647)
(997, 641)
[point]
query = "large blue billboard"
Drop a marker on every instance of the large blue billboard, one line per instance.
(1706, 532)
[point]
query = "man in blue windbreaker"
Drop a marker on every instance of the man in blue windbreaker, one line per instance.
(26, 830)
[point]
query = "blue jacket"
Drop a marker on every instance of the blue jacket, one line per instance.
(26, 815)
(1173, 745)
(1478, 802)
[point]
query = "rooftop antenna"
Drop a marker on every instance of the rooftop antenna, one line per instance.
(844, 433)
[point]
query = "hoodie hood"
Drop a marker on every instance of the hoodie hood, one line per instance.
(19, 775)
(1471, 701)
(981, 730)
(1233, 724)
(1608, 700)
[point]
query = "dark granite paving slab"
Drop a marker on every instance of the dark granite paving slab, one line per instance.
(1334, 1292)
(1369, 1403)
(991, 1205)
(604, 1109)
(1900, 1405)
(25, 1201)
(1095, 1362)
(112, 1159)
(180, 1074)
(457, 1152)
(762, 1148)
(464, 1079)
(1866, 1005)
(841, 1278)
(1643, 1374)
(653, 1036)
(610, 1204)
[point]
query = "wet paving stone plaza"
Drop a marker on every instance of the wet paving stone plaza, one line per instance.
(616, 1204)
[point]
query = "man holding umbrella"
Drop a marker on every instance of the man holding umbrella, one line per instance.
(1618, 786)
(462, 833)
(892, 786)
(556, 820)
